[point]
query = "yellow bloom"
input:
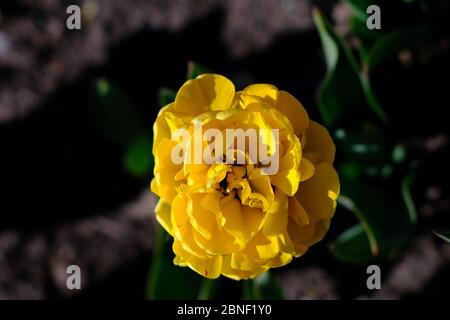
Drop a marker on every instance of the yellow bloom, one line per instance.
(233, 219)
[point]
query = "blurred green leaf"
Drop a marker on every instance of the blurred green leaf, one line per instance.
(366, 144)
(399, 154)
(247, 290)
(352, 246)
(365, 152)
(371, 98)
(443, 234)
(194, 70)
(138, 158)
(115, 116)
(167, 281)
(359, 8)
(364, 224)
(166, 96)
(342, 94)
(358, 25)
(263, 287)
(391, 44)
(208, 289)
(391, 11)
(407, 197)
(382, 212)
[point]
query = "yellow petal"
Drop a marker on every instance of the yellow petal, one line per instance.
(275, 222)
(319, 193)
(263, 187)
(262, 247)
(182, 229)
(221, 243)
(242, 262)
(164, 183)
(288, 176)
(167, 121)
(281, 260)
(178, 213)
(241, 221)
(300, 236)
(306, 169)
(162, 211)
(206, 92)
(287, 181)
(319, 146)
(209, 267)
(294, 111)
(285, 243)
(253, 219)
(267, 92)
(233, 222)
(297, 212)
(201, 219)
(236, 274)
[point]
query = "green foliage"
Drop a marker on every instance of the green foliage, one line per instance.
(443, 234)
(115, 116)
(166, 96)
(167, 281)
(263, 287)
(194, 70)
(375, 172)
(383, 215)
(208, 289)
(344, 93)
(119, 121)
(391, 44)
(138, 158)
(353, 246)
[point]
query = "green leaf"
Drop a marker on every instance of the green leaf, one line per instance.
(372, 100)
(247, 290)
(391, 44)
(166, 96)
(365, 152)
(115, 116)
(359, 8)
(399, 153)
(443, 234)
(365, 145)
(341, 96)
(352, 246)
(263, 287)
(365, 36)
(407, 197)
(364, 225)
(208, 289)
(382, 213)
(194, 70)
(138, 158)
(167, 281)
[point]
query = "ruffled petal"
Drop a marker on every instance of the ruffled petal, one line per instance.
(163, 216)
(266, 92)
(294, 111)
(319, 193)
(319, 147)
(204, 93)
(209, 267)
